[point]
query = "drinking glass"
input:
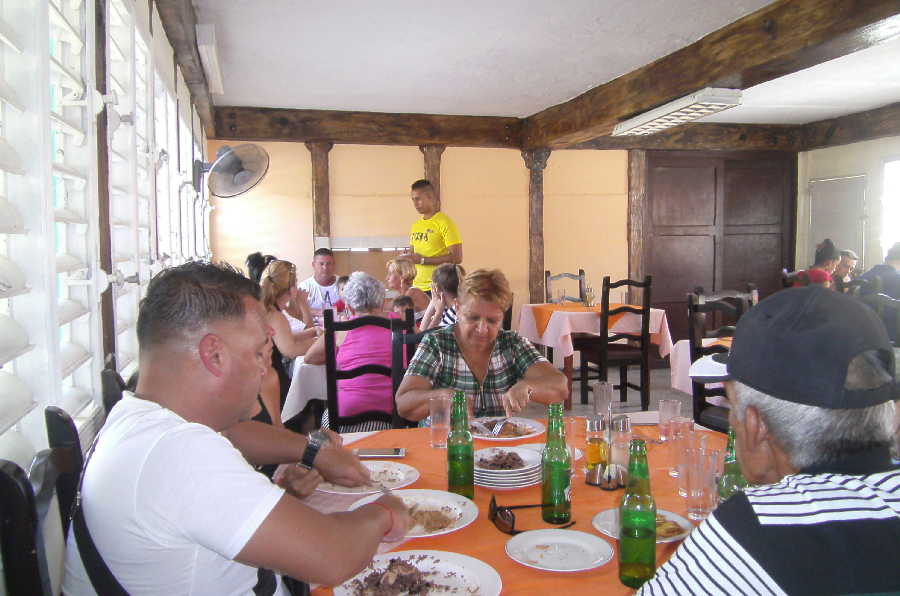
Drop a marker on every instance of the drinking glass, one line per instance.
(439, 409)
(668, 409)
(603, 393)
(589, 296)
(678, 428)
(702, 492)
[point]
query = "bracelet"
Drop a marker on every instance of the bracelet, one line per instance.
(421, 259)
(390, 513)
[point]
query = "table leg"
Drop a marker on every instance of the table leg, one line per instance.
(567, 370)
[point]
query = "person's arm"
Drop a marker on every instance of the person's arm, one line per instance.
(419, 298)
(316, 352)
(264, 444)
(413, 395)
(542, 383)
(434, 312)
(290, 344)
(317, 548)
(299, 308)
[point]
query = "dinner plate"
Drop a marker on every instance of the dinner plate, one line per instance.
(539, 447)
(387, 474)
(607, 522)
(453, 572)
(455, 506)
(537, 429)
(531, 459)
(559, 550)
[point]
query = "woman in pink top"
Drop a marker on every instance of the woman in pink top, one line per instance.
(364, 295)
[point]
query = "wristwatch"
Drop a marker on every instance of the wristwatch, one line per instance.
(315, 441)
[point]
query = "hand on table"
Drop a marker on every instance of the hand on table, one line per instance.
(296, 480)
(400, 518)
(341, 466)
(518, 396)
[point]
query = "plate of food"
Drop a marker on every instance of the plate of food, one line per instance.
(559, 550)
(539, 447)
(423, 572)
(384, 475)
(513, 428)
(506, 460)
(670, 527)
(434, 512)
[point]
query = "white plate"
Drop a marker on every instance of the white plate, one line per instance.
(531, 459)
(559, 550)
(464, 510)
(390, 474)
(458, 573)
(536, 426)
(607, 522)
(539, 447)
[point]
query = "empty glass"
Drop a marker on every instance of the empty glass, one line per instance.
(700, 470)
(439, 409)
(668, 409)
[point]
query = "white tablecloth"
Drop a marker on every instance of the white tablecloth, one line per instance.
(307, 382)
(563, 324)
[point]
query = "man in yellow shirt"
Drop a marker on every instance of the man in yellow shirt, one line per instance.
(434, 239)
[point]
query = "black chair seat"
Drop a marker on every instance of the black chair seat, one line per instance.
(614, 354)
(715, 417)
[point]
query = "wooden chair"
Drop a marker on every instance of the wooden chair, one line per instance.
(711, 316)
(888, 309)
(603, 351)
(333, 374)
(26, 502)
(404, 344)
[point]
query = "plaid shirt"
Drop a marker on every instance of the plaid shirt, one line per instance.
(440, 360)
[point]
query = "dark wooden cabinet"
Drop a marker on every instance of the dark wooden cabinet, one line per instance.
(711, 219)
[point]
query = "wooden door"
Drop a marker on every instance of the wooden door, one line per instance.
(714, 220)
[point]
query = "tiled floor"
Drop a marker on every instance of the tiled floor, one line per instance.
(659, 389)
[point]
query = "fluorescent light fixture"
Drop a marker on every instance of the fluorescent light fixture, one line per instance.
(686, 109)
(209, 56)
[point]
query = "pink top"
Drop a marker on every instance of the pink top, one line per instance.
(365, 345)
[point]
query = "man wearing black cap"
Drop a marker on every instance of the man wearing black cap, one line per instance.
(812, 383)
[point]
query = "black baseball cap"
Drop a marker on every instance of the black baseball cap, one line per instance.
(797, 344)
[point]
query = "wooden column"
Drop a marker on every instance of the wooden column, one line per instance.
(107, 312)
(637, 201)
(318, 151)
(433, 166)
(536, 161)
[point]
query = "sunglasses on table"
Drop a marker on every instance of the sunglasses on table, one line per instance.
(505, 520)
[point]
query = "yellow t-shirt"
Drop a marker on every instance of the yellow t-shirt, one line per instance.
(430, 238)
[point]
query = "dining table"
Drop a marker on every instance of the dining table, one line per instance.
(553, 324)
(680, 367)
(308, 382)
(483, 541)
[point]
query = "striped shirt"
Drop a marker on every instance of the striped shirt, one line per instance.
(449, 317)
(440, 360)
(811, 533)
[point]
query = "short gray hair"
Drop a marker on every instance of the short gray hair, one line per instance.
(811, 435)
(363, 292)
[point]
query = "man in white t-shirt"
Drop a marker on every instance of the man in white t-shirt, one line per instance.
(169, 495)
(321, 287)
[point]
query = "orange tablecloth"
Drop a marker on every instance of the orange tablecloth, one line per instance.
(483, 541)
(543, 312)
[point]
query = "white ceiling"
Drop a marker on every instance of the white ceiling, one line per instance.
(853, 83)
(476, 57)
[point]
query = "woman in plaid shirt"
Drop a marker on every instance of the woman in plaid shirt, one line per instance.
(502, 370)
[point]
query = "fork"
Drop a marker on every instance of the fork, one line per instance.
(499, 426)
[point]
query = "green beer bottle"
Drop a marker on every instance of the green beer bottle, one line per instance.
(732, 479)
(460, 454)
(556, 478)
(637, 519)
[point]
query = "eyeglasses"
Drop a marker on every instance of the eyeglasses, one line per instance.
(505, 520)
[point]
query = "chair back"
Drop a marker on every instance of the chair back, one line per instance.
(23, 569)
(549, 279)
(112, 386)
(404, 344)
(888, 309)
(642, 338)
(68, 458)
(333, 374)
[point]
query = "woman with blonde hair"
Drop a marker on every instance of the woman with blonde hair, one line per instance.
(280, 295)
(502, 370)
(400, 276)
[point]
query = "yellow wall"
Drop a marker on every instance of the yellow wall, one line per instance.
(867, 157)
(274, 217)
(585, 215)
(484, 190)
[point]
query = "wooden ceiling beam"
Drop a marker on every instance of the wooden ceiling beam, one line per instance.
(369, 128)
(709, 137)
(180, 23)
(782, 38)
(853, 128)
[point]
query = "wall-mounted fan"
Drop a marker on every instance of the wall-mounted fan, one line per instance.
(235, 170)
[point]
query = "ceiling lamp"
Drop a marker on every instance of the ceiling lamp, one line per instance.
(686, 109)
